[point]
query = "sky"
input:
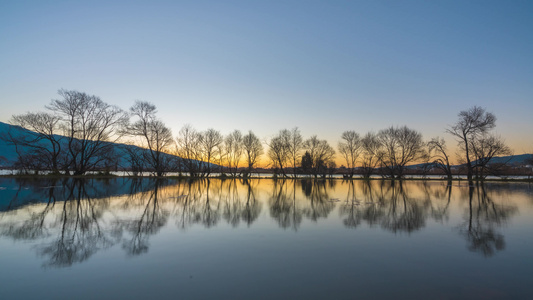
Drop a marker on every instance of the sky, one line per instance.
(323, 66)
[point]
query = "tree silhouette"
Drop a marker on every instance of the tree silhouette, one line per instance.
(252, 149)
(321, 154)
(350, 148)
(43, 142)
(234, 147)
(471, 126)
(153, 135)
(439, 155)
(90, 126)
(399, 146)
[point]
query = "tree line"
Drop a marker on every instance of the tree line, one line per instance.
(77, 133)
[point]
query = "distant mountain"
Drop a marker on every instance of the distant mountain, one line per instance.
(8, 153)
(513, 160)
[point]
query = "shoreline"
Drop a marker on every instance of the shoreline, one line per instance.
(228, 177)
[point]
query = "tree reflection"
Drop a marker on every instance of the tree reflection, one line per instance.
(482, 219)
(71, 219)
(439, 211)
(288, 209)
(33, 227)
(283, 209)
(252, 207)
(320, 204)
(205, 201)
(403, 213)
(371, 210)
(80, 232)
(351, 207)
(151, 219)
(191, 208)
(232, 204)
(389, 205)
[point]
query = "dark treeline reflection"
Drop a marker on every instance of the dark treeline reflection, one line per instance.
(69, 220)
(207, 202)
(287, 207)
(482, 219)
(72, 219)
(390, 205)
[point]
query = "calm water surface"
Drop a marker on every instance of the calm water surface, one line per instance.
(264, 239)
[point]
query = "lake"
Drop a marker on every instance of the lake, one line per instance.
(264, 239)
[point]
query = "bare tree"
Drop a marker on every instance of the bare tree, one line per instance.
(399, 146)
(321, 154)
(210, 144)
(135, 159)
(295, 144)
(44, 141)
(189, 142)
(369, 154)
(154, 136)
(253, 149)
(439, 155)
(160, 141)
(278, 151)
(350, 148)
(91, 126)
(484, 149)
(233, 144)
(472, 124)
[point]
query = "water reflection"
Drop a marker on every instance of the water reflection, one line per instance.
(319, 203)
(73, 227)
(289, 207)
(207, 202)
(387, 204)
(70, 220)
(142, 223)
(283, 205)
(482, 220)
(439, 209)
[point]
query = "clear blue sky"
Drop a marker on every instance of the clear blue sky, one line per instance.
(324, 66)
